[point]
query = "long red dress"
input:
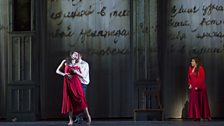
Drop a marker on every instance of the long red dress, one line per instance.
(73, 96)
(198, 99)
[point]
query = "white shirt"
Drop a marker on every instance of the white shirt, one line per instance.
(84, 68)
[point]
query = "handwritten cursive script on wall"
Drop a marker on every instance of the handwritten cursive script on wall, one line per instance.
(196, 24)
(77, 23)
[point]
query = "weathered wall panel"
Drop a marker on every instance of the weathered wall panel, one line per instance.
(194, 28)
(100, 31)
(145, 40)
(3, 48)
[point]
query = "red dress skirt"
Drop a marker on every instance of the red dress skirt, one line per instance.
(73, 96)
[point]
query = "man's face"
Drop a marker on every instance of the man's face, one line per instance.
(75, 56)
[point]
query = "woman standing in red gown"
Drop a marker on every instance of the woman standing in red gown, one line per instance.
(74, 101)
(198, 99)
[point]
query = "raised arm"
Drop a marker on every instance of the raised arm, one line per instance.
(58, 70)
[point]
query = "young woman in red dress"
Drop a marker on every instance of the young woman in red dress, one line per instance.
(198, 99)
(74, 101)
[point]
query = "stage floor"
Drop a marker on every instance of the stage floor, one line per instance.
(118, 123)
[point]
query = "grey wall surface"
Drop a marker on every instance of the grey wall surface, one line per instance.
(3, 48)
(194, 28)
(120, 45)
(144, 39)
(100, 31)
(119, 53)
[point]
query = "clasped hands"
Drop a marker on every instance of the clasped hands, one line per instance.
(68, 76)
(196, 88)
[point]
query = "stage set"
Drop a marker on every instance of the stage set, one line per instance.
(139, 56)
(117, 123)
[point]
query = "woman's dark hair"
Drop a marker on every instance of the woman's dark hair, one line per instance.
(69, 59)
(197, 60)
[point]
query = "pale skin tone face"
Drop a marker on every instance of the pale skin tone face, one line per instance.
(193, 63)
(76, 60)
(75, 56)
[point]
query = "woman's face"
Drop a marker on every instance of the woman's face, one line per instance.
(75, 56)
(193, 63)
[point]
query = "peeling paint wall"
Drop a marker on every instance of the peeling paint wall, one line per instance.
(194, 28)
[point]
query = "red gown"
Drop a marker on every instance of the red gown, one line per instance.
(198, 99)
(73, 95)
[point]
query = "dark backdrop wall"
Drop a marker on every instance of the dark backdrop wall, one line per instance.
(100, 31)
(120, 45)
(194, 28)
(119, 40)
(3, 48)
